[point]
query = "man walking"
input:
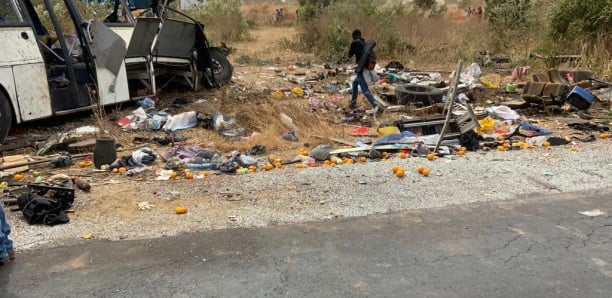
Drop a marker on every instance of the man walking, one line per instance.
(359, 50)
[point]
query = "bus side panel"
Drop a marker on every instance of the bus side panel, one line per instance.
(19, 46)
(7, 81)
(113, 89)
(32, 91)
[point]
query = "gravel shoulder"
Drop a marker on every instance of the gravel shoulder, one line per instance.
(291, 195)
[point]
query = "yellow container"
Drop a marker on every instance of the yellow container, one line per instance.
(387, 130)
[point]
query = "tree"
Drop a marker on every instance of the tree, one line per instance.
(579, 19)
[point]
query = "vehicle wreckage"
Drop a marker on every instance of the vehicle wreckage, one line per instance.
(56, 62)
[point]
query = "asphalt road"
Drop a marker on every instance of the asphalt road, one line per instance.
(533, 247)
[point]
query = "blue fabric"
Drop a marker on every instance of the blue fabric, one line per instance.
(361, 83)
(397, 138)
(6, 244)
(538, 131)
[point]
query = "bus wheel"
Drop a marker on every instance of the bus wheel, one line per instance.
(222, 68)
(6, 117)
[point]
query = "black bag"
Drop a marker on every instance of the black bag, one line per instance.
(40, 210)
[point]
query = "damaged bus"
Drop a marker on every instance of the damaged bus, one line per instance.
(56, 59)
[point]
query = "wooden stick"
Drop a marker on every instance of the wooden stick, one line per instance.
(29, 163)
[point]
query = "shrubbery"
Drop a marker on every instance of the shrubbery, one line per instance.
(223, 19)
(580, 19)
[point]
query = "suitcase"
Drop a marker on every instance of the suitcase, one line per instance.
(580, 98)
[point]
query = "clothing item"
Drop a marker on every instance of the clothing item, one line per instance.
(6, 244)
(360, 82)
(356, 49)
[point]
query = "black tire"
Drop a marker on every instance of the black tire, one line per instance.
(222, 68)
(6, 117)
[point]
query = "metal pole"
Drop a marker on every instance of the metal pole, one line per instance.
(452, 91)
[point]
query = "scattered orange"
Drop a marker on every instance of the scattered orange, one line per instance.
(362, 159)
(18, 177)
(400, 173)
(300, 165)
(546, 144)
(252, 171)
(278, 165)
(403, 155)
(172, 174)
(420, 169)
(431, 156)
(123, 170)
(115, 170)
(268, 167)
(604, 135)
(574, 148)
(82, 164)
(180, 210)
(500, 138)
(501, 148)
(326, 162)
(425, 172)
(188, 175)
(394, 168)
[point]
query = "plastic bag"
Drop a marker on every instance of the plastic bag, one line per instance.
(503, 112)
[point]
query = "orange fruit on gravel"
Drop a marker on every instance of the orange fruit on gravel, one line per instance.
(172, 174)
(403, 155)
(400, 173)
(394, 168)
(363, 159)
(420, 169)
(278, 165)
(189, 175)
(268, 167)
(425, 172)
(431, 156)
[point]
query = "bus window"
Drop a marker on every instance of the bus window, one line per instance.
(8, 13)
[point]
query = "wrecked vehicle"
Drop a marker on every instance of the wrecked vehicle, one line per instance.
(56, 62)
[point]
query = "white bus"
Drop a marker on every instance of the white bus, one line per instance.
(53, 61)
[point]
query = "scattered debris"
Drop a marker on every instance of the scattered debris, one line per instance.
(592, 213)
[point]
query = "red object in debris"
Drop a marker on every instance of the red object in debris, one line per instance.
(123, 122)
(569, 77)
(362, 130)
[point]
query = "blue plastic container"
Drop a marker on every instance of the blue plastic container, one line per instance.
(580, 98)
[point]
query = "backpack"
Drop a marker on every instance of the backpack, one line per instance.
(368, 51)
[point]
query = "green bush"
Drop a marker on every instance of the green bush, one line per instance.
(223, 19)
(572, 19)
(511, 19)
